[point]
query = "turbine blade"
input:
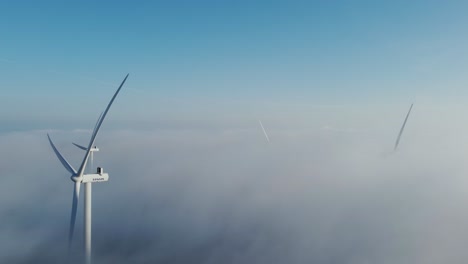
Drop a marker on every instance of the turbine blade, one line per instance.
(79, 146)
(64, 162)
(96, 130)
(402, 128)
(264, 132)
(76, 196)
(97, 122)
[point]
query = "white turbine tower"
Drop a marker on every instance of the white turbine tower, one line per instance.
(79, 177)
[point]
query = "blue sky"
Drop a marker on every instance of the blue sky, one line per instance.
(60, 60)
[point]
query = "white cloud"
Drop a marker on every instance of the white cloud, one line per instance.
(224, 196)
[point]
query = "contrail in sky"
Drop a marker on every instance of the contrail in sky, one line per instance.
(402, 128)
(264, 132)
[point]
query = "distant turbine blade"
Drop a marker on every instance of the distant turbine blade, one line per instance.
(79, 146)
(264, 132)
(96, 130)
(76, 196)
(61, 158)
(402, 128)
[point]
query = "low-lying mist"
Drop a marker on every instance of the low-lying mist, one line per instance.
(319, 194)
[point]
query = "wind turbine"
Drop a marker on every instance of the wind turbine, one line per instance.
(79, 177)
(402, 128)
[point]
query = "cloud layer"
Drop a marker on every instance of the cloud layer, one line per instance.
(334, 195)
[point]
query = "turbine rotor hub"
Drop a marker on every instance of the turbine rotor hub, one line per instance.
(75, 178)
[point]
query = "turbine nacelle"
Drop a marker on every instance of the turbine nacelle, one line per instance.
(99, 176)
(95, 177)
(94, 149)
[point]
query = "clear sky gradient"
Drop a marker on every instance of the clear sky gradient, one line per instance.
(61, 60)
